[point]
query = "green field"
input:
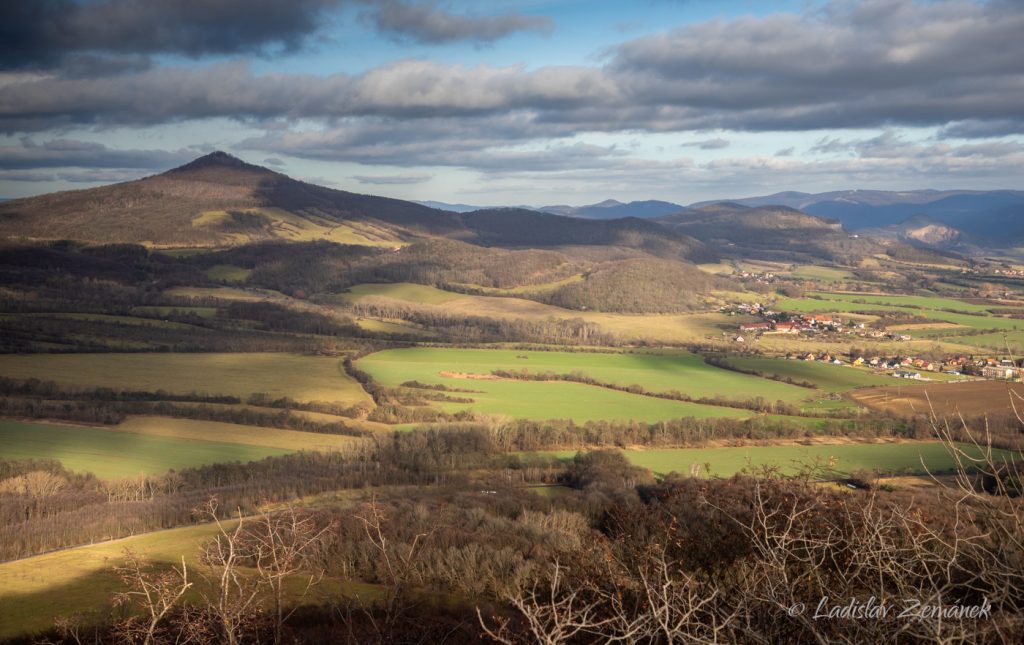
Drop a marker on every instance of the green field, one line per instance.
(725, 462)
(404, 291)
(34, 591)
(813, 272)
(112, 454)
(228, 273)
(910, 305)
(192, 430)
(687, 373)
(560, 400)
(920, 302)
(305, 378)
(831, 378)
(80, 581)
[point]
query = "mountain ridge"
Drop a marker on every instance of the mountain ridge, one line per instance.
(219, 200)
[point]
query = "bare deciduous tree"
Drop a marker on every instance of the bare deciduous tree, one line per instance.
(155, 591)
(282, 543)
(235, 595)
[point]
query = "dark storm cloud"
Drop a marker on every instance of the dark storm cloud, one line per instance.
(43, 34)
(853, 64)
(426, 22)
(65, 153)
(877, 63)
(40, 33)
(869, 64)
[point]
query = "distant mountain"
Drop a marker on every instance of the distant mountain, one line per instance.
(988, 217)
(515, 227)
(778, 232)
(923, 231)
(445, 206)
(612, 209)
(221, 201)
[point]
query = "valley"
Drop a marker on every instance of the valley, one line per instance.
(359, 363)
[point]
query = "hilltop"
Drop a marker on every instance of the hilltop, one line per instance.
(220, 201)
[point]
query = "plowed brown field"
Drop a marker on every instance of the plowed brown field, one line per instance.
(970, 399)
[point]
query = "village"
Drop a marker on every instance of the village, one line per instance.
(901, 366)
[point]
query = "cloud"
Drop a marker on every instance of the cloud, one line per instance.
(785, 152)
(73, 176)
(707, 144)
(425, 22)
(877, 63)
(982, 129)
(41, 33)
(387, 180)
(435, 143)
(67, 153)
(892, 145)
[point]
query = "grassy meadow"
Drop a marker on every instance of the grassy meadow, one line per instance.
(830, 378)
(665, 328)
(80, 580)
(826, 274)
(561, 400)
(233, 433)
(969, 316)
(35, 590)
(111, 454)
(305, 378)
(687, 373)
(904, 458)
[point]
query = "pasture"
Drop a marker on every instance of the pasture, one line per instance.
(825, 274)
(561, 400)
(111, 454)
(971, 316)
(192, 430)
(668, 328)
(35, 590)
(80, 581)
(905, 458)
(304, 378)
(919, 302)
(685, 372)
(830, 378)
(407, 291)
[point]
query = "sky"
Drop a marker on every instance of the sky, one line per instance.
(519, 102)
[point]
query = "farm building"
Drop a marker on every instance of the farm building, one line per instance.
(1000, 372)
(906, 374)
